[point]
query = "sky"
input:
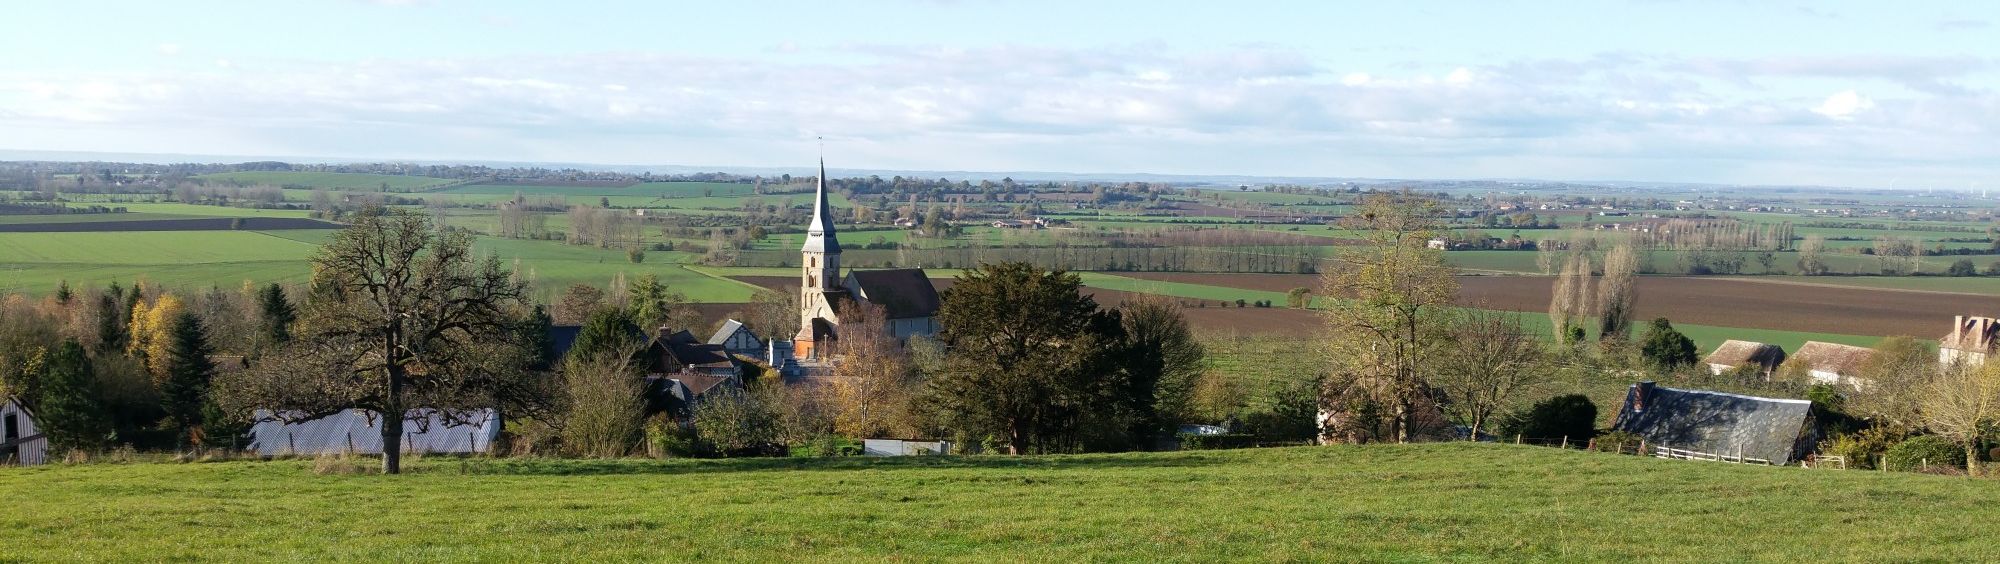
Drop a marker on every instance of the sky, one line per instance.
(1864, 94)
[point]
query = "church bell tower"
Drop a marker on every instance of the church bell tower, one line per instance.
(819, 278)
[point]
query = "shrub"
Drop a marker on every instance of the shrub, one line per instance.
(1620, 442)
(1963, 267)
(1932, 451)
(1191, 441)
(1571, 416)
(1861, 449)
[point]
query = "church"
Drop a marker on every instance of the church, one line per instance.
(905, 295)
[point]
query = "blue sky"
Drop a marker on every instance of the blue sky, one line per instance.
(1837, 93)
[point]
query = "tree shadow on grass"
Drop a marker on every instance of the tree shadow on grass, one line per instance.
(600, 467)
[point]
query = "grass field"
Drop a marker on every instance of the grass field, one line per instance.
(333, 180)
(1460, 501)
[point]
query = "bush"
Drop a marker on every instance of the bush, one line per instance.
(1620, 442)
(828, 446)
(1963, 267)
(1862, 449)
(1930, 451)
(1571, 416)
(1191, 441)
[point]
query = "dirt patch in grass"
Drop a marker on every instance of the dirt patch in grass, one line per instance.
(1702, 301)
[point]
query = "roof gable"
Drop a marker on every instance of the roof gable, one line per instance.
(1741, 353)
(1836, 358)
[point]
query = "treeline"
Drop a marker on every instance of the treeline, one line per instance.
(1262, 260)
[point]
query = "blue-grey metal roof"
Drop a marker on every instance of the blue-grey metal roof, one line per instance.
(1777, 430)
(357, 431)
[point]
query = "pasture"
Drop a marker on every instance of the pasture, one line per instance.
(329, 180)
(1457, 501)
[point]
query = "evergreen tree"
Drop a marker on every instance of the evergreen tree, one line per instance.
(189, 369)
(276, 315)
(1667, 347)
(535, 332)
(63, 294)
(69, 411)
(607, 330)
(110, 330)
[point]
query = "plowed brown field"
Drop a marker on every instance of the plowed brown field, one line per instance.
(1703, 301)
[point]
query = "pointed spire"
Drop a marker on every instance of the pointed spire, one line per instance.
(819, 233)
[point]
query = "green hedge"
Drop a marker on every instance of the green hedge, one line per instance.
(1913, 454)
(1213, 442)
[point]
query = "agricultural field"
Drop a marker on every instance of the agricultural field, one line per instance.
(1452, 501)
(329, 180)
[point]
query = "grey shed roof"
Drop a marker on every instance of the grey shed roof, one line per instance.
(360, 432)
(1778, 430)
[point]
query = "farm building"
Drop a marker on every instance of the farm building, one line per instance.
(734, 338)
(357, 431)
(1971, 340)
(680, 353)
(1832, 363)
(1777, 431)
(1735, 354)
(21, 442)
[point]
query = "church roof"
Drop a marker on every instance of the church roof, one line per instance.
(819, 233)
(903, 293)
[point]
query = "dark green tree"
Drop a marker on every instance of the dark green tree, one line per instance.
(1667, 348)
(607, 330)
(110, 328)
(189, 370)
(535, 331)
(1963, 267)
(1160, 361)
(1028, 357)
(275, 316)
(63, 294)
(69, 411)
(1572, 416)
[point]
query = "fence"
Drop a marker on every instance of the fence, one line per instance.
(1684, 454)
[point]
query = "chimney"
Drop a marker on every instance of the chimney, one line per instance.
(1641, 394)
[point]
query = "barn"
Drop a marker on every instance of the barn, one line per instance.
(1749, 428)
(21, 442)
(357, 431)
(1734, 354)
(1833, 363)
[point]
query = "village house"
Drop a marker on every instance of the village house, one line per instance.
(1971, 340)
(358, 431)
(1833, 363)
(21, 442)
(1700, 423)
(734, 338)
(1734, 354)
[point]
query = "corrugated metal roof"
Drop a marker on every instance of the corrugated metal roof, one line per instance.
(357, 431)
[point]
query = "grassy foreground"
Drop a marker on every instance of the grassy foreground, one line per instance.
(1452, 501)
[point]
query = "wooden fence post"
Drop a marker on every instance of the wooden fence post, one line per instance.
(1565, 441)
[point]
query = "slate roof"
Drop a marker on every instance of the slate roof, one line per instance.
(903, 293)
(721, 336)
(1777, 430)
(820, 236)
(684, 349)
(1836, 358)
(1742, 353)
(360, 432)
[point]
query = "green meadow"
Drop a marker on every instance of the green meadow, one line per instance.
(1435, 502)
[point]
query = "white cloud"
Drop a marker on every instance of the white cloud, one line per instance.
(1843, 105)
(168, 49)
(1117, 108)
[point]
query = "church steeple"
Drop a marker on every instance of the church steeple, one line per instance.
(819, 234)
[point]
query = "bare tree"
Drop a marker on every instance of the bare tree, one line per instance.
(1389, 333)
(1894, 380)
(872, 382)
(1569, 304)
(402, 317)
(604, 404)
(1810, 261)
(1960, 404)
(1617, 293)
(1493, 359)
